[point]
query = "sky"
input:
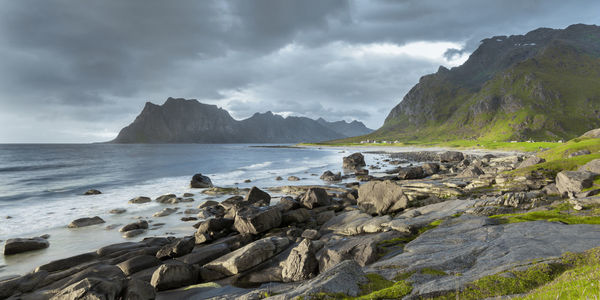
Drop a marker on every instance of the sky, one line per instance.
(78, 71)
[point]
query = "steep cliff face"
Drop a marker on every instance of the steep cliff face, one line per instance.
(543, 85)
(189, 121)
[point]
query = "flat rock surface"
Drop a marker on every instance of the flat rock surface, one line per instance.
(477, 247)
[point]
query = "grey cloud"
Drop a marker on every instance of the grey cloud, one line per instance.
(79, 70)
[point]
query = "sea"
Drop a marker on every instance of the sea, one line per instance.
(42, 186)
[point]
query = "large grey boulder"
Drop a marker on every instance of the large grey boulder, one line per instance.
(301, 263)
(315, 197)
(178, 248)
(354, 161)
(411, 173)
(205, 254)
(248, 256)
(255, 220)
(165, 198)
(141, 224)
(20, 245)
(594, 133)
(451, 156)
(138, 263)
(172, 276)
(345, 278)
(574, 181)
(200, 181)
(92, 288)
(592, 166)
(330, 176)
(257, 196)
(140, 200)
(82, 222)
(531, 161)
(478, 246)
(381, 197)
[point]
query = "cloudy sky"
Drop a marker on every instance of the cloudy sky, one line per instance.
(79, 70)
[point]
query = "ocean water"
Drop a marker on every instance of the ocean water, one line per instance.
(42, 186)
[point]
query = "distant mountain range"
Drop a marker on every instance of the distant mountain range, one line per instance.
(544, 85)
(189, 121)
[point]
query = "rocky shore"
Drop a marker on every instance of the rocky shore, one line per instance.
(422, 230)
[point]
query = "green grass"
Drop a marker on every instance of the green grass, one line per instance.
(563, 213)
(434, 272)
(377, 287)
(578, 283)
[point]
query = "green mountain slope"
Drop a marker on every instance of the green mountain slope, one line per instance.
(544, 86)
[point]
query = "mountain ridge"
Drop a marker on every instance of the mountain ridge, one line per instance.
(181, 120)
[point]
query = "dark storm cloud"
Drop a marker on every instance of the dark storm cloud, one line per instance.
(80, 70)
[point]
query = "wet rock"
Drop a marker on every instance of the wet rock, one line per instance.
(278, 178)
(165, 212)
(248, 256)
(133, 233)
(315, 197)
(165, 198)
(295, 216)
(331, 177)
(381, 197)
(256, 195)
(178, 248)
(140, 200)
(20, 245)
(451, 156)
(208, 203)
(187, 195)
(141, 224)
(191, 211)
(205, 254)
(293, 178)
(69, 262)
(82, 222)
(200, 181)
(117, 211)
(138, 263)
(171, 276)
(92, 192)
(92, 288)
(187, 219)
(574, 181)
(354, 161)
(301, 264)
(139, 290)
(255, 220)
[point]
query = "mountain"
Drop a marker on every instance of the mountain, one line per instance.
(189, 121)
(544, 85)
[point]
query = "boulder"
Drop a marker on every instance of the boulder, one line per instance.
(133, 233)
(208, 203)
(141, 224)
(177, 248)
(324, 216)
(451, 156)
(381, 197)
(430, 168)
(315, 197)
(248, 256)
(138, 263)
(212, 226)
(92, 288)
(200, 181)
(311, 234)
(165, 212)
(92, 192)
(82, 222)
(411, 173)
(171, 276)
(256, 195)
(140, 200)
(117, 211)
(139, 290)
(205, 254)
(293, 178)
(346, 278)
(592, 166)
(254, 220)
(330, 176)
(580, 152)
(20, 245)
(69, 262)
(531, 161)
(287, 203)
(354, 161)
(301, 264)
(594, 134)
(165, 198)
(471, 172)
(574, 181)
(300, 215)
